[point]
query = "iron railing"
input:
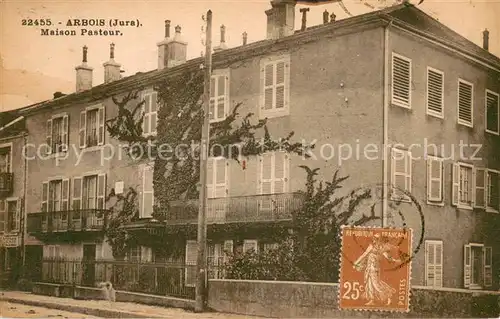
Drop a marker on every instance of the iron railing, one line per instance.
(6, 184)
(165, 279)
(257, 208)
(64, 221)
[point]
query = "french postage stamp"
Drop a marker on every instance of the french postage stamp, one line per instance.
(375, 269)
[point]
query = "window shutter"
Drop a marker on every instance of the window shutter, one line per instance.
(77, 193)
(279, 181)
(102, 120)
(435, 92)
(213, 94)
(83, 127)
(227, 101)
(480, 187)
(401, 168)
(250, 244)
(147, 191)
(455, 180)
(429, 264)
(228, 249)
(266, 178)
(488, 273)
(191, 255)
(154, 110)
(465, 98)
(268, 87)
(408, 169)
(65, 195)
(65, 136)
(492, 112)
(438, 264)
(101, 191)
(280, 85)
(3, 217)
(45, 196)
(146, 254)
(220, 177)
(434, 179)
(401, 81)
(467, 266)
(221, 97)
(49, 136)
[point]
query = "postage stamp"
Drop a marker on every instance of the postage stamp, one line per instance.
(375, 269)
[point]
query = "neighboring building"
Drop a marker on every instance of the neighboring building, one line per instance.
(12, 177)
(369, 79)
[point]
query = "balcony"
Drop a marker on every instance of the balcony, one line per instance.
(242, 209)
(86, 220)
(6, 184)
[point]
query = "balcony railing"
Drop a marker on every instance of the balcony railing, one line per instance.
(64, 221)
(6, 184)
(256, 208)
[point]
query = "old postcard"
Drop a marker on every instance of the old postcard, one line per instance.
(270, 158)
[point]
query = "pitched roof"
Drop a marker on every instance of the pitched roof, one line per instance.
(406, 15)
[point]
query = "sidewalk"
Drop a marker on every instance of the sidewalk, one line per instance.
(107, 309)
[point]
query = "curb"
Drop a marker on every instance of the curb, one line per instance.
(97, 312)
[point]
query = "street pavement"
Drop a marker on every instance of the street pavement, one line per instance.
(95, 308)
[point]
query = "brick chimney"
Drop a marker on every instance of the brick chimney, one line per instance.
(280, 19)
(163, 48)
(486, 39)
(222, 45)
(111, 68)
(83, 74)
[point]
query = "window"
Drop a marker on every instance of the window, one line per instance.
(134, 254)
(12, 216)
(215, 258)
(274, 172)
(492, 112)
(270, 246)
(275, 84)
(57, 134)
(147, 200)
(219, 95)
(465, 98)
(249, 245)
(55, 192)
(493, 190)
(55, 195)
(91, 131)
(401, 174)
(191, 255)
(480, 182)
(434, 179)
(3, 215)
(477, 266)
(401, 81)
(5, 160)
(434, 263)
(217, 177)
(435, 92)
(89, 192)
(462, 185)
(93, 192)
(150, 111)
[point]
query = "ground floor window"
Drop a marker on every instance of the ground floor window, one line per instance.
(477, 266)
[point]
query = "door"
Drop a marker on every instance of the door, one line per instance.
(89, 252)
(13, 264)
(34, 256)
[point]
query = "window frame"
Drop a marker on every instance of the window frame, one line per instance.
(487, 91)
(215, 76)
(460, 204)
(273, 179)
(433, 243)
(64, 117)
(83, 127)
(488, 208)
(432, 112)
(408, 174)
(393, 101)
(432, 201)
(17, 216)
(459, 121)
(149, 93)
(273, 111)
(143, 169)
(10, 147)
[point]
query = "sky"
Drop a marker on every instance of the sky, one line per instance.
(33, 66)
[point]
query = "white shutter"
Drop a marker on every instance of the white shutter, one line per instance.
(438, 264)
(465, 98)
(408, 169)
(266, 173)
(147, 191)
(401, 81)
(227, 101)
(65, 195)
(250, 244)
(191, 256)
(220, 177)
(455, 183)
(64, 135)
(435, 92)
(101, 125)
(480, 187)
(153, 118)
(279, 180)
(146, 254)
(3, 217)
(45, 196)
(82, 133)
(213, 93)
(267, 79)
(279, 85)
(467, 266)
(488, 273)
(101, 191)
(434, 179)
(77, 193)
(492, 112)
(429, 263)
(221, 97)
(49, 136)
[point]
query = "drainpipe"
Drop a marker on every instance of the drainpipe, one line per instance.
(23, 211)
(385, 124)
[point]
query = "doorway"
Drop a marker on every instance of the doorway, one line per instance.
(89, 252)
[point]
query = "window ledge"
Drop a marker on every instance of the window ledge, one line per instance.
(464, 207)
(56, 155)
(406, 107)
(465, 124)
(492, 210)
(92, 148)
(492, 132)
(435, 115)
(273, 113)
(432, 203)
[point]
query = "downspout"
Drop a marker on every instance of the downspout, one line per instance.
(24, 215)
(385, 124)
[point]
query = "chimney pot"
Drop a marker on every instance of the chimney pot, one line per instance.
(245, 36)
(325, 17)
(486, 39)
(332, 17)
(84, 59)
(167, 29)
(177, 29)
(112, 51)
(222, 34)
(304, 18)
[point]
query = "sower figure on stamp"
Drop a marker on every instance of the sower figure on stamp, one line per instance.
(369, 261)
